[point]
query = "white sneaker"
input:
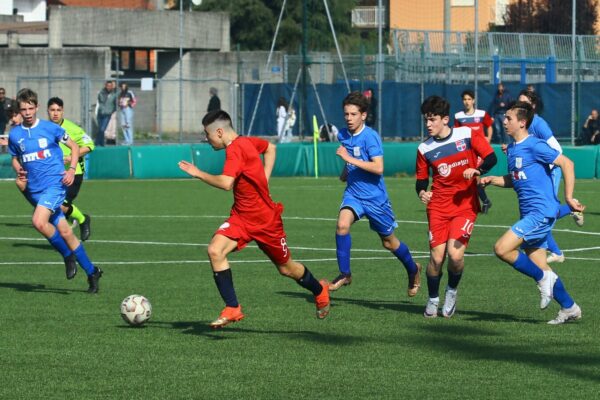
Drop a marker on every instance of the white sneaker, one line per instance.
(553, 257)
(449, 302)
(431, 309)
(577, 217)
(567, 314)
(546, 287)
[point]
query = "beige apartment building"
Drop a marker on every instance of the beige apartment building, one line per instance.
(429, 14)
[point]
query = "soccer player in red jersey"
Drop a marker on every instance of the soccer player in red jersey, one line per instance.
(254, 215)
(480, 122)
(452, 203)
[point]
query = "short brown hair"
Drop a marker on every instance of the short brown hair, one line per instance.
(357, 99)
(27, 96)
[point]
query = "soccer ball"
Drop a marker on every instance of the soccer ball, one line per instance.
(136, 309)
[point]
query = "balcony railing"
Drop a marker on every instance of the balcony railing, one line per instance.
(366, 17)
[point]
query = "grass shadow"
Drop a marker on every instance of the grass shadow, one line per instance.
(36, 288)
(475, 344)
(41, 246)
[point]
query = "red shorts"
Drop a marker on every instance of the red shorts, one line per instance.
(445, 227)
(271, 238)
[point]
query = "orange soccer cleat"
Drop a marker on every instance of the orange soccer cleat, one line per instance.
(322, 300)
(227, 316)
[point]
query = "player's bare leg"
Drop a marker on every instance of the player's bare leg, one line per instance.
(437, 256)
(218, 249)
(456, 265)
(304, 278)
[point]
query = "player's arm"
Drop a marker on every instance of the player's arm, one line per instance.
(21, 173)
(224, 182)
(568, 171)
(422, 172)
(375, 166)
(500, 181)
(269, 159)
(70, 172)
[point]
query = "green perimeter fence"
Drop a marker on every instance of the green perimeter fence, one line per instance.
(293, 159)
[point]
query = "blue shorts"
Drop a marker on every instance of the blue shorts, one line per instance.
(534, 230)
(51, 198)
(381, 217)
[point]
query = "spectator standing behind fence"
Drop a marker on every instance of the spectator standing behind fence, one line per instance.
(3, 117)
(591, 129)
(281, 113)
(498, 109)
(372, 110)
(328, 133)
(105, 108)
(127, 102)
(214, 103)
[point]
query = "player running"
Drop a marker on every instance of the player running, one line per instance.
(254, 215)
(529, 174)
(86, 145)
(36, 155)
(540, 129)
(452, 203)
(366, 194)
(481, 123)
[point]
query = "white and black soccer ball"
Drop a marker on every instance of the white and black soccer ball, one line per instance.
(136, 310)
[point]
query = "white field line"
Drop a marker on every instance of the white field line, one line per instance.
(223, 217)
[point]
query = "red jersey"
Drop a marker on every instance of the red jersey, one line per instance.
(252, 200)
(479, 121)
(448, 159)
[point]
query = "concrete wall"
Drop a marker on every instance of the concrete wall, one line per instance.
(82, 26)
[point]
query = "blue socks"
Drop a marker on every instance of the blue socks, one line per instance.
(59, 244)
(309, 282)
(343, 243)
(552, 246)
(525, 266)
(83, 260)
(563, 211)
(224, 281)
(403, 254)
(561, 295)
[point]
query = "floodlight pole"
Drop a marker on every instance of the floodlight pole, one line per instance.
(573, 58)
(303, 100)
(476, 49)
(380, 73)
(180, 71)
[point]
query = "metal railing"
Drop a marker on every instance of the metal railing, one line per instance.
(366, 17)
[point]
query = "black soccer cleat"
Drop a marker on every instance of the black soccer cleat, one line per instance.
(85, 228)
(71, 266)
(93, 281)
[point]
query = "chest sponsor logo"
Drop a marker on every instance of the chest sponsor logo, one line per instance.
(461, 145)
(445, 169)
(518, 175)
(38, 155)
(519, 162)
(43, 142)
(356, 151)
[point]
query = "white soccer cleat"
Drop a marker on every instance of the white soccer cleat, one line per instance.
(553, 257)
(431, 309)
(546, 287)
(567, 314)
(449, 302)
(577, 217)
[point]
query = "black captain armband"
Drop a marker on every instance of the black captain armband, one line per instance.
(421, 184)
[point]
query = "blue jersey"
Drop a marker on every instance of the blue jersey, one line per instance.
(39, 152)
(364, 145)
(528, 167)
(540, 129)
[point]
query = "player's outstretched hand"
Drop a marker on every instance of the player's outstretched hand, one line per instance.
(470, 173)
(486, 180)
(575, 205)
(342, 153)
(189, 168)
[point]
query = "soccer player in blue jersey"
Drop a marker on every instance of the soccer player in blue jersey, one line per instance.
(540, 129)
(529, 160)
(366, 194)
(36, 155)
